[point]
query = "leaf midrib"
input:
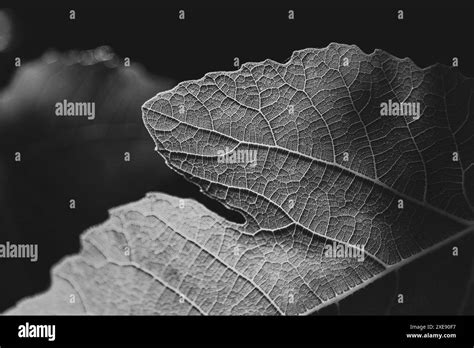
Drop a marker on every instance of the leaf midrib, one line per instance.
(375, 181)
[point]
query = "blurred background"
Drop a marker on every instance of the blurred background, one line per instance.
(65, 158)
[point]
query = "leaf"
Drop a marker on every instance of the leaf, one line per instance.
(183, 259)
(298, 197)
(301, 186)
(164, 255)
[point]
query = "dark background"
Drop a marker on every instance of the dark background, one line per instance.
(210, 37)
(60, 163)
